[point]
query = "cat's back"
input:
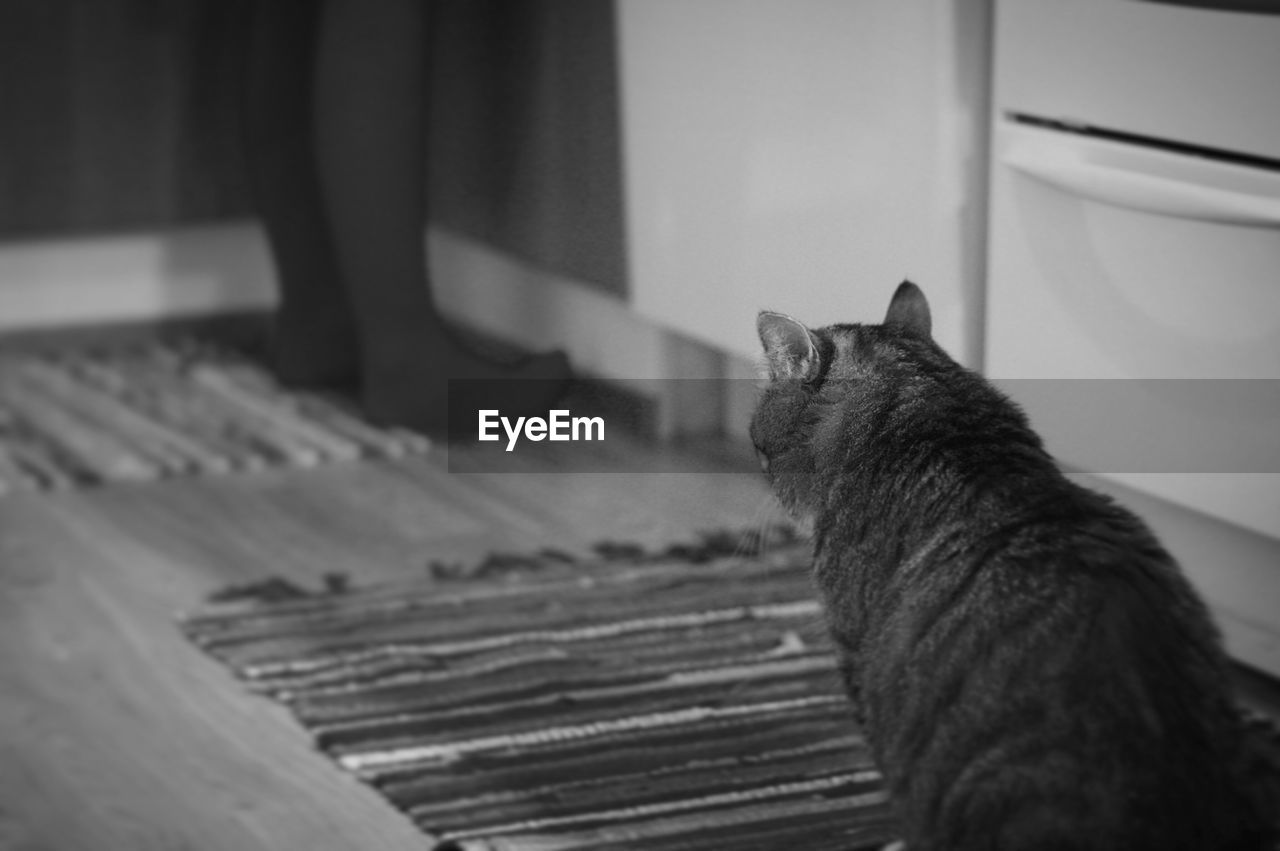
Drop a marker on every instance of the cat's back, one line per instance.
(1054, 681)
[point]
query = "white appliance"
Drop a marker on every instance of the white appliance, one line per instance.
(1134, 233)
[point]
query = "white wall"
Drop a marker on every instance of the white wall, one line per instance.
(804, 156)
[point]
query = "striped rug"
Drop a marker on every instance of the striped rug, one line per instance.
(684, 700)
(156, 410)
(674, 702)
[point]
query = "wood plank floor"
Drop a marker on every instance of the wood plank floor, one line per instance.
(117, 734)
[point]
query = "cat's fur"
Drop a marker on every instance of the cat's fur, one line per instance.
(1030, 666)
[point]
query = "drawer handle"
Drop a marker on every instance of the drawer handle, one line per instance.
(1141, 190)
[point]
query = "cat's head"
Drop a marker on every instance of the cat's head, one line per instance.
(828, 383)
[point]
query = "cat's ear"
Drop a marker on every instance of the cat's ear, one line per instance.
(909, 310)
(789, 348)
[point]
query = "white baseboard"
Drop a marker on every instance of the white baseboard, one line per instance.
(204, 270)
(539, 309)
(176, 273)
(603, 336)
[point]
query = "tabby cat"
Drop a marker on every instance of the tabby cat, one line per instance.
(1030, 666)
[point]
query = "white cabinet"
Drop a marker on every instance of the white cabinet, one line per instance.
(1135, 222)
(1135, 235)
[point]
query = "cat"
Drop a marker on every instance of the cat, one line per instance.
(1030, 666)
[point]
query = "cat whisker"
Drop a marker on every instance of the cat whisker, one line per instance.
(758, 532)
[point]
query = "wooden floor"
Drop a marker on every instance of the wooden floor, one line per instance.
(117, 734)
